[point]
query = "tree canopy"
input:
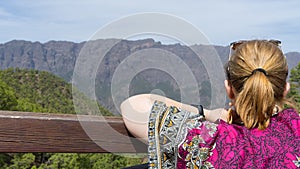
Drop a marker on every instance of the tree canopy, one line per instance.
(295, 85)
(38, 91)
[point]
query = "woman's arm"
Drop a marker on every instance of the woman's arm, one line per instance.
(136, 110)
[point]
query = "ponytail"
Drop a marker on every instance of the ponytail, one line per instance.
(256, 101)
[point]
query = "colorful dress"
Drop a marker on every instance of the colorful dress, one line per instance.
(180, 139)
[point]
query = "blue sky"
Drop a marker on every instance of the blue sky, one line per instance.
(221, 21)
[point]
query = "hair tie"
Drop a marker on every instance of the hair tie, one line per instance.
(259, 70)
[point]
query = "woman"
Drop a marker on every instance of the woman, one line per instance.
(256, 132)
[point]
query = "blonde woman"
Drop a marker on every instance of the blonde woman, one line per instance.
(256, 132)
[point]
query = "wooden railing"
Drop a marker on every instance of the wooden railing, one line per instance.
(40, 132)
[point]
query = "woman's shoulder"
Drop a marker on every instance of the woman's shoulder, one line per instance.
(287, 120)
(289, 113)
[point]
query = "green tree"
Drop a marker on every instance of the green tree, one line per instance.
(295, 85)
(89, 161)
(22, 161)
(61, 161)
(103, 161)
(8, 100)
(5, 159)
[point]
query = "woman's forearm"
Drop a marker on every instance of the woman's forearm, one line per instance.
(136, 110)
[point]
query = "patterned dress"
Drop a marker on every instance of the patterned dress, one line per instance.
(180, 139)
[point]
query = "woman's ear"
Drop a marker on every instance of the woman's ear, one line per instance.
(229, 90)
(286, 89)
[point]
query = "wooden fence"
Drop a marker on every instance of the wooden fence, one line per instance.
(41, 132)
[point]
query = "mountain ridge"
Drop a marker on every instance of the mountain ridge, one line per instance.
(59, 58)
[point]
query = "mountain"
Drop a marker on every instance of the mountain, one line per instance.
(293, 59)
(59, 58)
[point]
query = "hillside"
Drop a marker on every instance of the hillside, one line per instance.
(38, 91)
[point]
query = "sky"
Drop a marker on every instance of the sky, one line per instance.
(221, 21)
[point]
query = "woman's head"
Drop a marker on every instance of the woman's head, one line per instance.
(256, 74)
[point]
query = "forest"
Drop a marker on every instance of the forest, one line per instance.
(40, 91)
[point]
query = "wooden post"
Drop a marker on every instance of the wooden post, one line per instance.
(42, 132)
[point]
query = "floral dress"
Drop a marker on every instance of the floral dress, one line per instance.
(183, 140)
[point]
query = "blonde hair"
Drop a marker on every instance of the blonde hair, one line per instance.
(257, 92)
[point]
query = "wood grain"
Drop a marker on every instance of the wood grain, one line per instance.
(40, 132)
